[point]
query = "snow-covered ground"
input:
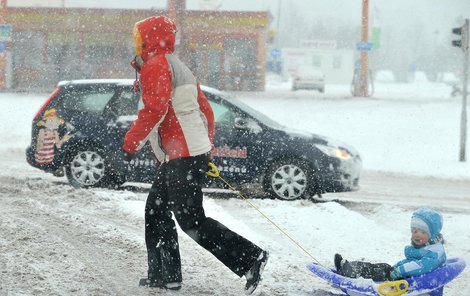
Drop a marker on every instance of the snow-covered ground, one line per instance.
(56, 240)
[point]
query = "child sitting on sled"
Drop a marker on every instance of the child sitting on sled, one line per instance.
(425, 254)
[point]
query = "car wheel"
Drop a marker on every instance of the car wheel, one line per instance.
(289, 179)
(322, 90)
(87, 167)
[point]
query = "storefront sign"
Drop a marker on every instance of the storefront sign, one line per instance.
(318, 44)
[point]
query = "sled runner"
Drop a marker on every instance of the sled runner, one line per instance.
(431, 283)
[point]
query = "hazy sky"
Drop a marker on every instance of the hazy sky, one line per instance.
(434, 14)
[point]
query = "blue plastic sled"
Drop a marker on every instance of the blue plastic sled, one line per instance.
(431, 283)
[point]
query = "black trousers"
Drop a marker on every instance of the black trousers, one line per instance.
(178, 190)
(378, 272)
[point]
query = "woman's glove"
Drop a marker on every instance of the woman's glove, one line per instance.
(127, 156)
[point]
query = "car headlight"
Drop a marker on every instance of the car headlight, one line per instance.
(334, 151)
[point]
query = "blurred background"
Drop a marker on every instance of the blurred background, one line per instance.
(232, 44)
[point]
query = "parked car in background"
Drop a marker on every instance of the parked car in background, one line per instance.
(308, 77)
(80, 129)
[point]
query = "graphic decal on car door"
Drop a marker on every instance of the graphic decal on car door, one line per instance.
(232, 160)
(48, 137)
(225, 151)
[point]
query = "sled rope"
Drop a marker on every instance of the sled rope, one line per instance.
(214, 172)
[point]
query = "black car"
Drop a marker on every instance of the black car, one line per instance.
(79, 131)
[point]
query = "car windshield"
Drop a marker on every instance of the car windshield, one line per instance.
(252, 112)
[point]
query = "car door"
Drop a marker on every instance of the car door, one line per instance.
(237, 149)
(122, 112)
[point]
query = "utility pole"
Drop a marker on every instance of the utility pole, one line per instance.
(363, 79)
(463, 43)
(360, 79)
(176, 11)
(278, 23)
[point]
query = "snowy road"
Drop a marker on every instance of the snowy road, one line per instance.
(56, 240)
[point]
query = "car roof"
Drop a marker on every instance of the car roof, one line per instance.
(127, 82)
(96, 81)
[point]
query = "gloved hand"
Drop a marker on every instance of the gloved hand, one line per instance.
(128, 156)
(396, 273)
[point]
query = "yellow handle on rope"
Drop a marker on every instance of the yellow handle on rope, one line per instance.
(395, 288)
(213, 172)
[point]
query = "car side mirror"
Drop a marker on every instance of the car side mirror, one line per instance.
(240, 123)
(247, 124)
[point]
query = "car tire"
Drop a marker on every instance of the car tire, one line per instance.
(322, 90)
(290, 179)
(88, 167)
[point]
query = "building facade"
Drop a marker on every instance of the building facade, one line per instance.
(225, 50)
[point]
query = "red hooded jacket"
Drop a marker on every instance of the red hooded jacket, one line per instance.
(176, 118)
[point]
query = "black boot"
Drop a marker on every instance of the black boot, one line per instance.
(253, 276)
(344, 267)
(338, 261)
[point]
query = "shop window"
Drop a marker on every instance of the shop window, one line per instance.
(125, 55)
(28, 59)
(28, 48)
(240, 64)
(205, 62)
(196, 62)
(63, 54)
(214, 68)
(65, 61)
(98, 59)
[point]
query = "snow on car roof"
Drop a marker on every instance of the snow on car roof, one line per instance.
(96, 81)
(126, 82)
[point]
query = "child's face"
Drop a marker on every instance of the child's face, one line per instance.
(419, 237)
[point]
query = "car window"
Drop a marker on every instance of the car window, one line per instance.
(222, 114)
(141, 103)
(254, 113)
(88, 100)
(126, 103)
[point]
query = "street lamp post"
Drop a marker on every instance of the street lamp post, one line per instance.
(463, 117)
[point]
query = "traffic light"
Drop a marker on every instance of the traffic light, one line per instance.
(463, 33)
